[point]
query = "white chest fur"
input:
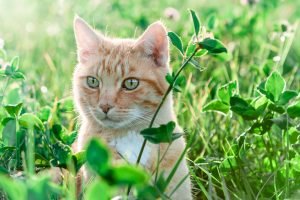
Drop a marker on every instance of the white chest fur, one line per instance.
(129, 147)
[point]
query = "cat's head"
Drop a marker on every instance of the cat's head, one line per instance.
(119, 83)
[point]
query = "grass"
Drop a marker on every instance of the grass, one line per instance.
(227, 161)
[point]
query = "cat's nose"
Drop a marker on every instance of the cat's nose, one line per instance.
(105, 107)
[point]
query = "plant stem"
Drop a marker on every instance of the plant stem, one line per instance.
(163, 100)
(160, 105)
(30, 151)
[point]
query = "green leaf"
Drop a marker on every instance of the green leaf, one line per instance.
(243, 108)
(216, 105)
(129, 175)
(275, 108)
(169, 78)
(295, 163)
(176, 41)
(226, 91)
(14, 96)
(3, 171)
(18, 75)
(196, 64)
(286, 96)
(212, 45)
(212, 22)
(14, 110)
(30, 121)
(79, 159)
(98, 157)
(9, 135)
(15, 190)
(98, 190)
(294, 110)
(196, 22)
(38, 187)
(180, 82)
(14, 63)
(162, 134)
(62, 153)
(261, 88)
(69, 138)
(45, 113)
(275, 85)
(8, 70)
(191, 48)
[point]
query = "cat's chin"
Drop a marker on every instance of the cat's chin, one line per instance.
(112, 124)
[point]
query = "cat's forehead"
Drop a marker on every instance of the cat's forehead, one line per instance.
(117, 59)
(114, 60)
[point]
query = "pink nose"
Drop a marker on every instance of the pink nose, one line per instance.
(105, 108)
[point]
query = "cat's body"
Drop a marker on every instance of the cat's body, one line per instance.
(117, 85)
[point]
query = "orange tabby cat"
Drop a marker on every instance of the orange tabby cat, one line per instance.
(117, 86)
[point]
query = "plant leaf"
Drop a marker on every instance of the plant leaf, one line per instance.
(294, 110)
(14, 63)
(98, 157)
(196, 22)
(29, 121)
(98, 190)
(14, 110)
(79, 159)
(9, 135)
(62, 153)
(275, 85)
(243, 108)
(191, 48)
(286, 96)
(162, 134)
(176, 41)
(129, 175)
(216, 105)
(18, 75)
(212, 45)
(15, 190)
(212, 22)
(226, 91)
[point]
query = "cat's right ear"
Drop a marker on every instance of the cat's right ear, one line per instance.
(87, 40)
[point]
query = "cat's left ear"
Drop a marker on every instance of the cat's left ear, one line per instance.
(154, 43)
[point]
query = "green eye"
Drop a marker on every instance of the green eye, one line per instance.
(92, 82)
(130, 83)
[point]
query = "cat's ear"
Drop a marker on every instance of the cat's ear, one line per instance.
(154, 43)
(87, 40)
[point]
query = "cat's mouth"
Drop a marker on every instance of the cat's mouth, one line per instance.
(109, 122)
(107, 118)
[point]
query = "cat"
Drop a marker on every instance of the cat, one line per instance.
(117, 86)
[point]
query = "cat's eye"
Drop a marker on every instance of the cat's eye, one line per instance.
(92, 82)
(130, 83)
